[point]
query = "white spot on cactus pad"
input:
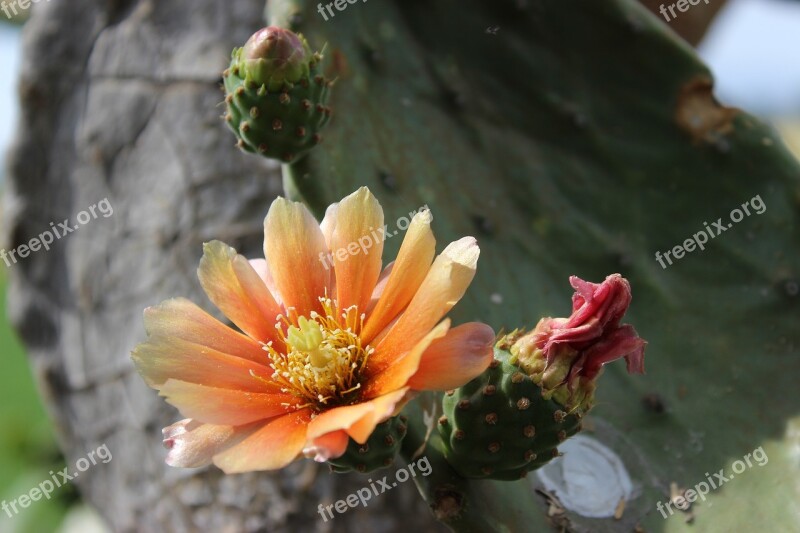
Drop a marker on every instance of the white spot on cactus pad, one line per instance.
(590, 479)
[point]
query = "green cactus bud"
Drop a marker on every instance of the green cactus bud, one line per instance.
(275, 97)
(498, 426)
(378, 452)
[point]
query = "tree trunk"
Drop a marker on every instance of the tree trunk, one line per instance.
(121, 101)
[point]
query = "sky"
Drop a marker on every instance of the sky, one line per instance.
(753, 49)
(9, 66)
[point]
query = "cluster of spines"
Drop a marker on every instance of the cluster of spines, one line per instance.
(498, 426)
(378, 452)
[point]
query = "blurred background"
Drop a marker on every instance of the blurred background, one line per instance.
(751, 46)
(28, 448)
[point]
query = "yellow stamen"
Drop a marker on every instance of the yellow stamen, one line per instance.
(323, 354)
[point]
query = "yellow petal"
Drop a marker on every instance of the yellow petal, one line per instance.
(456, 358)
(406, 275)
(356, 243)
(445, 284)
(236, 289)
(294, 248)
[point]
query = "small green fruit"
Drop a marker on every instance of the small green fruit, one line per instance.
(498, 426)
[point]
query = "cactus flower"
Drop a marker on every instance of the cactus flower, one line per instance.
(273, 56)
(327, 344)
(566, 355)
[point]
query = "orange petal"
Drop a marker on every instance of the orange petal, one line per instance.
(235, 288)
(262, 269)
(181, 319)
(212, 405)
(382, 380)
(328, 446)
(357, 420)
(294, 248)
(383, 280)
(356, 244)
(192, 444)
(380, 286)
(456, 358)
(329, 223)
(406, 276)
(445, 284)
(274, 445)
(163, 358)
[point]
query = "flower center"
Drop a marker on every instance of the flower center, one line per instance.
(323, 355)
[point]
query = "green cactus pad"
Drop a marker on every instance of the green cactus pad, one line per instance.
(282, 124)
(581, 138)
(498, 426)
(378, 452)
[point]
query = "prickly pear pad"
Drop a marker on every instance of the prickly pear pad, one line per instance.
(498, 426)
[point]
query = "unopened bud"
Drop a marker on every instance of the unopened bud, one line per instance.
(273, 56)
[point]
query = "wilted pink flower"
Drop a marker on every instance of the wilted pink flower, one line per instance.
(566, 355)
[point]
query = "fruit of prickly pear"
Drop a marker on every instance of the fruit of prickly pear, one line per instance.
(498, 426)
(378, 452)
(275, 97)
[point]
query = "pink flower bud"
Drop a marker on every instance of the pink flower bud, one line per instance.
(272, 56)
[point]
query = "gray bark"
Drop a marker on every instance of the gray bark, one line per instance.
(120, 100)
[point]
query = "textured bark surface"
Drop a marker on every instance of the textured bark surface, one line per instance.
(120, 100)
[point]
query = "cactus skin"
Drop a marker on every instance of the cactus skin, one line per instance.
(378, 452)
(282, 124)
(498, 426)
